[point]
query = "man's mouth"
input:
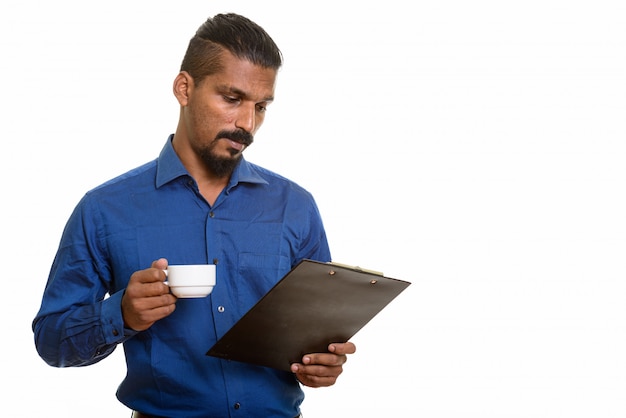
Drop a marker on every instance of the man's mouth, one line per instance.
(238, 140)
(236, 145)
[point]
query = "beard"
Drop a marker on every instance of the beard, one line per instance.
(220, 166)
(224, 166)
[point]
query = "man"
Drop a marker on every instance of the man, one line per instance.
(199, 202)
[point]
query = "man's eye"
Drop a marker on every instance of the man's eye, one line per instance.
(231, 99)
(261, 108)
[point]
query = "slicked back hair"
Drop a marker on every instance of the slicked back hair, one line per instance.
(235, 33)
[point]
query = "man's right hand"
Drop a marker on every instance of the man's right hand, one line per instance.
(147, 298)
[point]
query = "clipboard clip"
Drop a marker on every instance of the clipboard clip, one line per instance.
(332, 273)
(355, 268)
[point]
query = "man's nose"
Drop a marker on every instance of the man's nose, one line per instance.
(246, 118)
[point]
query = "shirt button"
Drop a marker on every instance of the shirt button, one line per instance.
(220, 309)
(237, 405)
(215, 261)
(115, 333)
(211, 214)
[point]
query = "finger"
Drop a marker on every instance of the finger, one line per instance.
(157, 306)
(157, 289)
(147, 283)
(324, 359)
(342, 348)
(146, 311)
(317, 370)
(152, 274)
(316, 376)
(160, 264)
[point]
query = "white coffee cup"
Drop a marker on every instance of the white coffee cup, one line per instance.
(191, 280)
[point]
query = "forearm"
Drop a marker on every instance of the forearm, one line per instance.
(80, 336)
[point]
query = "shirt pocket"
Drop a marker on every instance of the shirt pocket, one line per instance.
(259, 273)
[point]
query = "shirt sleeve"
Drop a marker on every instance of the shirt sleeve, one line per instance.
(79, 323)
(314, 245)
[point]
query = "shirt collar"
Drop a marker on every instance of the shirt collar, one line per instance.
(169, 167)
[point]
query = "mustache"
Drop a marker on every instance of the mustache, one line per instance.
(241, 136)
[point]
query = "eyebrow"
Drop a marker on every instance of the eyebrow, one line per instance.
(239, 92)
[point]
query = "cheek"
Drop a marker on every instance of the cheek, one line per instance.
(220, 117)
(205, 118)
(200, 128)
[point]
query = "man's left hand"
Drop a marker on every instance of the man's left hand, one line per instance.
(323, 369)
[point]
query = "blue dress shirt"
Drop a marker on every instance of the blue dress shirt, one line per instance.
(260, 226)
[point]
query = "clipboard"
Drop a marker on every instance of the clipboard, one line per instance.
(313, 305)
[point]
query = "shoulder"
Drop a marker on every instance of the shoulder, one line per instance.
(139, 177)
(118, 191)
(277, 181)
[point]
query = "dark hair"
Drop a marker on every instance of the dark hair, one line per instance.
(235, 33)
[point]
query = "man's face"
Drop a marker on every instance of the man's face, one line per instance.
(225, 110)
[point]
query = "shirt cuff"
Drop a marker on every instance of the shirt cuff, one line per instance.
(112, 321)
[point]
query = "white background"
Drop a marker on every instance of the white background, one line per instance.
(474, 148)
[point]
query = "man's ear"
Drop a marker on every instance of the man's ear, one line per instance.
(183, 85)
